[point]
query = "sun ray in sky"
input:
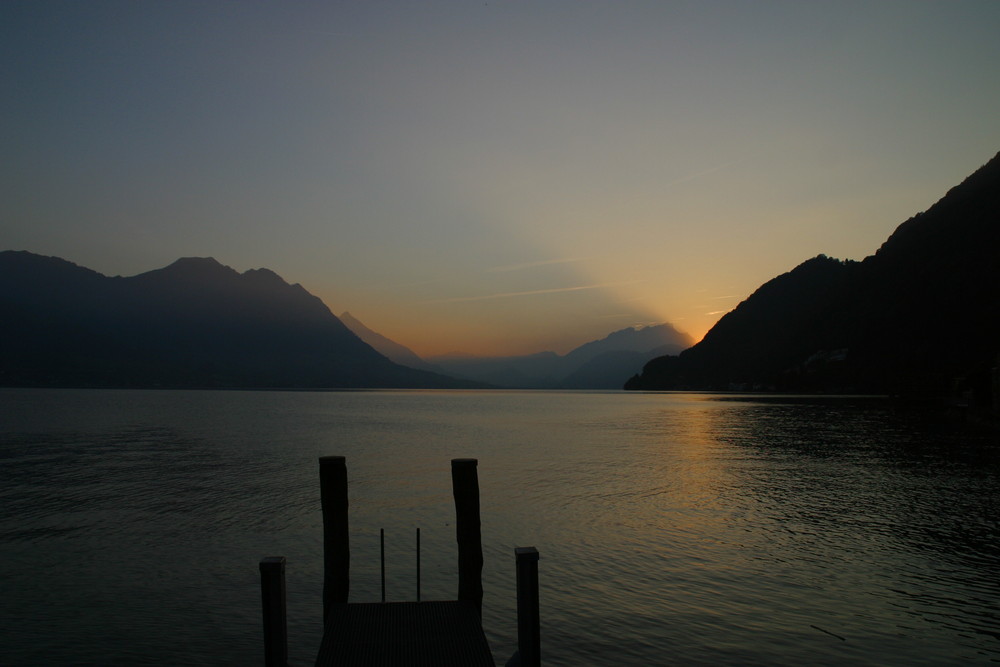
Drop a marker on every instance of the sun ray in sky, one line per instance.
(535, 292)
(431, 166)
(531, 265)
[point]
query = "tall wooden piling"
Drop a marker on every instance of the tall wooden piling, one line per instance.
(529, 643)
(272, 593)
(468, 530)
(336, 547)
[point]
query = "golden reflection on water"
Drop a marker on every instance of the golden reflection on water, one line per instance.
(709, 529)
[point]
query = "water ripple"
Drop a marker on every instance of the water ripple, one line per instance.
(688, 529)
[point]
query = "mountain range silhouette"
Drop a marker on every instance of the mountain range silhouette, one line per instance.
(919, 317)
(598, 364)
(195, 323)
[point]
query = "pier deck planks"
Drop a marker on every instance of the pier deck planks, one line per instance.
(388, 634)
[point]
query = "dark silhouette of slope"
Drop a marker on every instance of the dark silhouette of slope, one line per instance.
(193, 323)
(917, 317)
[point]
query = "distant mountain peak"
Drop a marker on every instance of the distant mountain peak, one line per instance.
(195, 268)
(599, 364)
(633, 339)
(387, 347)
(196, 263)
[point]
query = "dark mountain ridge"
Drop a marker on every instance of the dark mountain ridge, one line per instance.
(194, 323)
(921, 315)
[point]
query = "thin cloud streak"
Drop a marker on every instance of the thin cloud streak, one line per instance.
(507, 295)
(531, 265)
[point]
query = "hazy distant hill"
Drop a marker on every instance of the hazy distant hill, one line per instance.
(195, 323)
(386, 347)
(599, 364)
(605, 370)
(921, 315)
(530, 371)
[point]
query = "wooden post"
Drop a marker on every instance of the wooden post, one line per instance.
(995, 389)
(468, 530)
(272, 593)
(336, 548)
(529, 642)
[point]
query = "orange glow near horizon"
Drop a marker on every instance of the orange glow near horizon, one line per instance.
(453, 330)
(495, 179)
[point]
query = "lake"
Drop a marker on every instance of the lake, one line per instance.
(673, 528)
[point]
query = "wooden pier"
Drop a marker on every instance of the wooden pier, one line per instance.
(390, 634)
(386, 634)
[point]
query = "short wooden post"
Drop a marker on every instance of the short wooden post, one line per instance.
(336, 548)
(468, 530)
(995, 389)
(529, 642)
(272, 592)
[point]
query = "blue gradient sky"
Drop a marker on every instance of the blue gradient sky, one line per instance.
(492, 177)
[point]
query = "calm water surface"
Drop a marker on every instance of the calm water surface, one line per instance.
(673, 528)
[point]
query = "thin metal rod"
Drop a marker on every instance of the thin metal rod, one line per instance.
(418, 565)
(382, 558)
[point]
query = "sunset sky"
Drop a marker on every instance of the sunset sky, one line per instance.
(490, 177)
